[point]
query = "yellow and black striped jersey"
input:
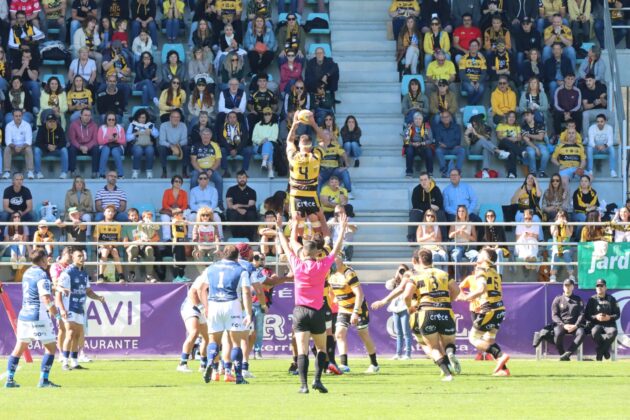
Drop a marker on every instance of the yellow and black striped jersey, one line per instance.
(332, 156)
(569, 155)
(342, 284)
(492, 298)
(473, 66)
(304, 170)
(432, 285)
(108, 232)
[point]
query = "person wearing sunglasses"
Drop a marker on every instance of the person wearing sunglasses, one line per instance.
(502, 100)
(265, 139)
(172, 98)
(601, 314)
(291, 38)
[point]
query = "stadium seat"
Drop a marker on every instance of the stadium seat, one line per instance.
(323, 16)
(314, 46)
(179, 48)
(138, 108)
(470, 110)
(145, 207)
(237, 240)
(62, 79)
(54, 63)
(404, 84)
(498, 210)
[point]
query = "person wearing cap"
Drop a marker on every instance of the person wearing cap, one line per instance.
(526, 37)
(559, 33)
(601, 315)
(496, 32)
(431, 10)
(436, 39)
(442, 99)
(502, 100)
(201, 99)
(441, 68)
(567, 315)
(51, 141)
(259, 100)
(593, 64)
(265, 139)
(567, 104)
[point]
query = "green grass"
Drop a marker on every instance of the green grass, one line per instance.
(153, 389)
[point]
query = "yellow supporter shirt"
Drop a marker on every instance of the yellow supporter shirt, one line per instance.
(334, 195)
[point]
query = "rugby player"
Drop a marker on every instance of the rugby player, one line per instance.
(436, 320)
(71, 306)
(34, 322)
(224, 280)
(304, 165)
(488, 292)
(353, 310)
(308, 315)
(196, 325)
(56, 268)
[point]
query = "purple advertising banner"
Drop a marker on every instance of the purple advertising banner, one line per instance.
(142, 320)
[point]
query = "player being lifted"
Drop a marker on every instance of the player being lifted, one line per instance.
(74, 290)
(436, 320)
(488, 291)
(353, 310)
(225, 280)
(304, 163)
(194, 317)
(34, 322)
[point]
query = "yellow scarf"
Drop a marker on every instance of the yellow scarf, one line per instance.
(17, 31)
(580, 198)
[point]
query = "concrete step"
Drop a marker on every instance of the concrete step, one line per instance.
(353, 35)
(358, 8)
(379, 161)
(381, 45)
(374, 106)
(366, 64)
(370, 77)
(373, 24)
(372, 120)
(356, 99)
(378, 55)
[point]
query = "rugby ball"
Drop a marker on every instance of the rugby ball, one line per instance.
(304, 116)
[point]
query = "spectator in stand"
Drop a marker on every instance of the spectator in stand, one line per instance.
(526, 38)
(146, 79)
(600, 141)
(594, 100)
(441, 69)
(83, 138)
(464, 34)
(200, 66)
(174, 141)
(408, 46)
(79, 198)
(548, 10)
(18, 138)
(595, 233)
(414, 101)
(265, 139)
(461, 232)
(527, 238)
(174, 18)
(112, 141)
(111, 100)
(16, 231)
(290, 71)
(593, 64)
(321, 69)
(334, 161)
(351, 229)
(79, 98)
(555, 198)
(228, 43)
(233, 99)
(291, 37)
(567, 104)
(495, 235)
(533, 67)
(173, 198)
(18, 99)
(601, 314)
(527, 196)
(82, 10)
(510, 140)
(418, 141)
(109, 231)
(465, 8)
(400, 11)
(457, 193)
(53, 101)
(134, 236)
(580, 20)
(426, 195)
(172, 69)
(234, 140)
(17, 199)
(179, 233)
(448, 140)
(351, 138)
(233, 68)
(436, 39)
(261, 45)
(205, 156)
(534, 100)
(111, 195)
(5, 70)
(478, 137)
(172, 99)
(501, 63)
(432, 9)
(490, 9)
(621, 225)
(429, 231)
(585, 200)
(241, 207)
(534, 135)
(495, 33)
(472, 73)
(202, 39)
(561, 231)
(88, 37)
(502, 100)
(142, 135)
(205, 195)
(51, 141)
(571, 125)
(561, 34)
(297, 99)
(443, 99)
(23, 36)
(519, 11)
(85, 67)
(259, 100)
(569, 157)
(115, 62)
(143, 14)
(332, 195)
(556, 69)
(201, 100)
(43, 236)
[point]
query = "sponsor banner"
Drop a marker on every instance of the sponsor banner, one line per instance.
(603, 260)
(144, 320)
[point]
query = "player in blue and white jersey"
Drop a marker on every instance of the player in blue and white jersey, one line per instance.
(34, 323)
(74, 282)
(225, 281)
(193, 314)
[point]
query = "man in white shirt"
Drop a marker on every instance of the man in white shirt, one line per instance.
(600, 142)
(18, 138)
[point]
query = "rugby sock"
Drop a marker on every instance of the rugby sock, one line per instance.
(494, 350)
(12, 365)
(450, 349)
(330, 348)
(245, 365)
(47, 362)
(373, 359)
(66, 355)
(184, 359)
(204, 360)
(74, 356)
(302, 365)
(344, 359)
(213, 350)
(443, 365)
(321, 365)
(228, 365)
(237, 358)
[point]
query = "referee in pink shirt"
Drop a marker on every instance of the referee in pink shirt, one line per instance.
(308, 315)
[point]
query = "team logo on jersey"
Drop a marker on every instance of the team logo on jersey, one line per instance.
(118, 316)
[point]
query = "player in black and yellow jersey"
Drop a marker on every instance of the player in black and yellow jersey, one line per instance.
(436, 319)
(304, 165)
(488, 293)
(353, 310)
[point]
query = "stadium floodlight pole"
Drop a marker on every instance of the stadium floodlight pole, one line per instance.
(8, 307)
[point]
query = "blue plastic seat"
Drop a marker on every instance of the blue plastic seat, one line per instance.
(315, 46)
(404, 84)
(179, 48)
(323, 16)
(496, 207)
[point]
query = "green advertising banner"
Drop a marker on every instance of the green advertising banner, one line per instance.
(603, 260)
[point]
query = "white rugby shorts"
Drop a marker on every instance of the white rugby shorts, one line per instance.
(42, 330)
(190, 311)
(76, 318)
(225, 316)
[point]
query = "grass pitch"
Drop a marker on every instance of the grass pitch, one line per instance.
(139, 389)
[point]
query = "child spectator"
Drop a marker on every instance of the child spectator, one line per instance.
(267, 234)
(43, 236)
(205, 234)
(179, 233)
(108, 231)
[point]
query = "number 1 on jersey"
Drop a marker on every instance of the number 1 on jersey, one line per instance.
(221, 275)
